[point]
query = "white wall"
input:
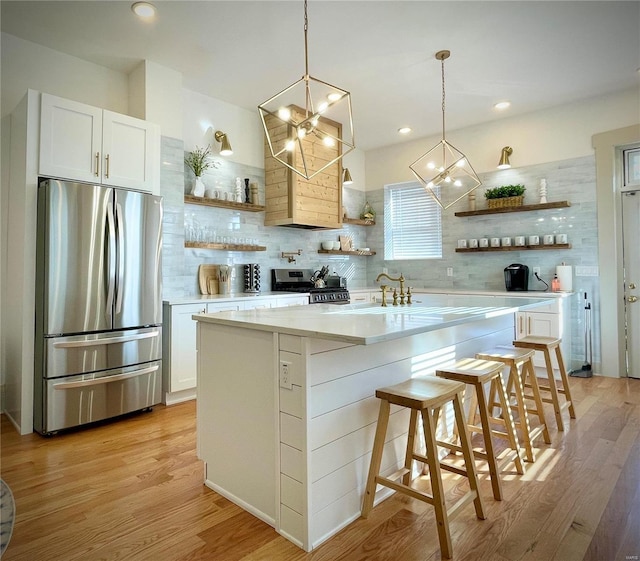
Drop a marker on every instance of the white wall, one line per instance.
(28, 65)
(560, 133)
(204, 115)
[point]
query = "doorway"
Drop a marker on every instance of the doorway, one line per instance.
(631, 258)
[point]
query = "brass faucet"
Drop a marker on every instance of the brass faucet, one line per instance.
(400, 279)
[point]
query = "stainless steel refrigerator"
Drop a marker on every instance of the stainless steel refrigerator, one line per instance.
(98, 331)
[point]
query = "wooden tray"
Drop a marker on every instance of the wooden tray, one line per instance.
(208, 279)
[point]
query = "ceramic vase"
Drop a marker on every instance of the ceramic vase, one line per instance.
(198, 187)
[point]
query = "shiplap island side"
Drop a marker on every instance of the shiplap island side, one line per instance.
(286, 398)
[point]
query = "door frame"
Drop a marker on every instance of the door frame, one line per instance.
(609, 182)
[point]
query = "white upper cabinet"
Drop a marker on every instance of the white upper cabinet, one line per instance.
(85, 143)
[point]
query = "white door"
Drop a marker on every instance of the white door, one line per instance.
(129, 148)
(631, 261)
(70, 140)
(183, 346)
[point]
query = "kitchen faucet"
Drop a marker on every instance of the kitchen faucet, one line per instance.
(400, 279)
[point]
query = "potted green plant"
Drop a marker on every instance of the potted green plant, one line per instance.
(505, 196)
(198, 161)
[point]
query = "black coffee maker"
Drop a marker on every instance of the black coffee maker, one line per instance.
(516, 277)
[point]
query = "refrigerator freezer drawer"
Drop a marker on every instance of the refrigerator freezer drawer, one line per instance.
(78, 354)
(77, 400)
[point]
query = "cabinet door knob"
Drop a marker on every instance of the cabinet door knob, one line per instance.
(632, 299)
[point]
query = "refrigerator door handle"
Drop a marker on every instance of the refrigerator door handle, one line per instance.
(104, 379)
(105, 341)
(120, 281)
(111, 265)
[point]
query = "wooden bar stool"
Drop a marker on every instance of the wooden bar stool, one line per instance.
(425, 396)
(521, 372)
(546, 345)
(476, 374)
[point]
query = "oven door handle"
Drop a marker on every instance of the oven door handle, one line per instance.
(104, 379)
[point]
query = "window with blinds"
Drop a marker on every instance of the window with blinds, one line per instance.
(412, 223)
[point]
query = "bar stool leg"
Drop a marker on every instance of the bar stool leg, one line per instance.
(565, 382)
(411, 439)
(515, 382)
(528, 371)
(494, 473)
(498, 387)
(376, 457)
(555, 398)
(467, 452)
(435, 476)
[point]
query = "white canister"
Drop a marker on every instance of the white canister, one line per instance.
(520, 241)
(561, 238)
(495, 242)
(484, 242)
(534, 240)
(473, 243)
(548, 239)
(506, 242)
(462, 243)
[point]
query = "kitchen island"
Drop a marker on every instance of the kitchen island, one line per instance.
(286, 398)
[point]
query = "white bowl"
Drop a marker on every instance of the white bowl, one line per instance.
(364, 249)
(327, 245)
(336, 245)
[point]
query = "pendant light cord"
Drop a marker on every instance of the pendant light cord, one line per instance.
(308, 100)
(442, 62)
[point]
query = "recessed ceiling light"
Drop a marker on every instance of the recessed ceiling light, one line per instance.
(144, 9)
(502, 105)
(404, 130)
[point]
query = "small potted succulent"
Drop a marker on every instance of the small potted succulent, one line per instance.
(505, 196)
(198, 161)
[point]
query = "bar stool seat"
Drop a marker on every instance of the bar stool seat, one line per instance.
(546, 345)
(521, 372)
(425, 396)
(477, 373)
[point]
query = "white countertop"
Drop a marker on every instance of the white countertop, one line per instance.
(198, 299)
(365, 324)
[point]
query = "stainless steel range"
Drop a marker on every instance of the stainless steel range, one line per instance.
(322, 287)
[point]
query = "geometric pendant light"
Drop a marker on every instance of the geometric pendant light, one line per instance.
(309, 124)
(444, 168)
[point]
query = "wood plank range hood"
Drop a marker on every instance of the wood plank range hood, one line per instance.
(291, 200)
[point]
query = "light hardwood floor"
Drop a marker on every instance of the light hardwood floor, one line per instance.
(133, 490)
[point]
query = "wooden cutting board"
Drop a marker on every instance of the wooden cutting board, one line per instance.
(208, 279)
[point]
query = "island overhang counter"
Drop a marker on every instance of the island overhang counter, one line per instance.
(286, 406)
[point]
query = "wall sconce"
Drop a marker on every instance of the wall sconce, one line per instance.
(225, 145)
(504, 162)
(346, 177)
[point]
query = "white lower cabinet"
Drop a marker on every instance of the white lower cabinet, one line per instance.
(549, 321)
(179, 364)
(179, 367)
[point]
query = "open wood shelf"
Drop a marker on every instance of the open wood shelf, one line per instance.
(358, 221)
(523, 208)
(222, 204)
(512, 248)
(225, 246)
(340, 252)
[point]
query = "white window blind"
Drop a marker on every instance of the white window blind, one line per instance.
(412, 223)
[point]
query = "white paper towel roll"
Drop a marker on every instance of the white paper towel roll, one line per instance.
(565, 276)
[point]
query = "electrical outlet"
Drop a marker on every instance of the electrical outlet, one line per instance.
(536, 270)
(449, 271)
(285, 375)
